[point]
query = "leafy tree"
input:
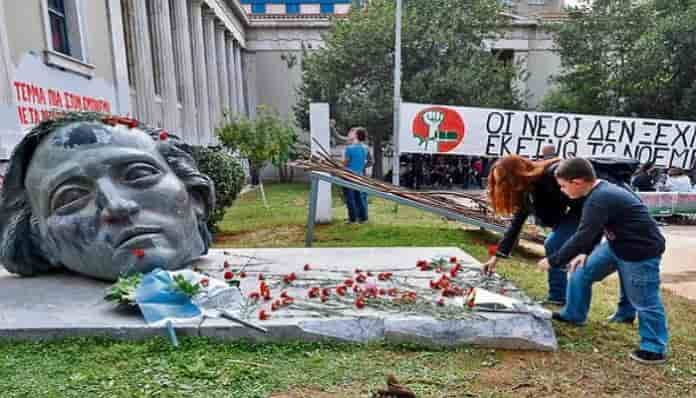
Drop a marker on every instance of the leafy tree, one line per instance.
(267, 138)
(627, 58)
(444, 61)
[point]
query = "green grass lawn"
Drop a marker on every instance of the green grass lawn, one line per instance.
(591, 361)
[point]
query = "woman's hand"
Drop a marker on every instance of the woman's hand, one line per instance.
(577, 262)
(488, 268)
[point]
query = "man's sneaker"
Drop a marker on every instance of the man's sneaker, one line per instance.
(648, 358)
(558, 317)
(616, 319)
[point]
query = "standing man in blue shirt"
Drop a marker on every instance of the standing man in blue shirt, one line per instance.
(633, 247)
(355, 159)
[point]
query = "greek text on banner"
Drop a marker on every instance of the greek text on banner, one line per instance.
(499, 132)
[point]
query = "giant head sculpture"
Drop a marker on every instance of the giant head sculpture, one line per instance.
(102, 197)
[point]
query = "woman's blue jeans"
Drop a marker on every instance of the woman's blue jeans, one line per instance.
(641, 287)
(558, 277)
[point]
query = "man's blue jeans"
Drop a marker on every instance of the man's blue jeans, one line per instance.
(356, 202)
(641, 284)
(558, 277)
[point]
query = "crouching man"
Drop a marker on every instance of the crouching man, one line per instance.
(633, 247)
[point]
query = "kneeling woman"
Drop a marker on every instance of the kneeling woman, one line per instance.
(520, 187)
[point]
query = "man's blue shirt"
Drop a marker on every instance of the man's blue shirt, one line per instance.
(356, 155)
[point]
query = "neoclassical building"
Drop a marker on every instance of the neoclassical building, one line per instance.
(178, 64)
(183, 64)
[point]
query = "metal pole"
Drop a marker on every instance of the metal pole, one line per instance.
(312, 216)
(397, 94)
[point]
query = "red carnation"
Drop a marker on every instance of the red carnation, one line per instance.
(385, 276)
(163, 136)
(492, 250)
(453, 259)
(348, 282)
(228, 275)
(314, 292)
(242, 274)
(254, 296)
(263, 315)
(360, 303)
(341, 290)
(307, 267)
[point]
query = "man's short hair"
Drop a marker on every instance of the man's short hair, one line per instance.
(574, 168)
(360, 133)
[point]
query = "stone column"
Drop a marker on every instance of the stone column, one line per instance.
(120, 67)
(319, 127)
(184, 67)
(232, 74)
(200, 72)
(142, 54)
(211, 68)
(162, 36)
(223, 76)
(250, 99)
(241, 107)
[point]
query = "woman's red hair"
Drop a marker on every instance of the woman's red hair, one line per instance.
(516, 175)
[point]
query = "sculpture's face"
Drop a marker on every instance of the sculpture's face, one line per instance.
(108, 203)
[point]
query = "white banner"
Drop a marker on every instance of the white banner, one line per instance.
(499, 132)
(39, 90)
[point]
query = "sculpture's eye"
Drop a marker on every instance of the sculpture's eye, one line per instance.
(141, 173)
(69, 199)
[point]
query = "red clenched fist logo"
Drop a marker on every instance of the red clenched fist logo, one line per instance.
(439, 129)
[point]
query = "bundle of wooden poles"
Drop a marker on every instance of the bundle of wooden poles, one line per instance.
(469, 205)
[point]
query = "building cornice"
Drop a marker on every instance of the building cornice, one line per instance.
(224, 10)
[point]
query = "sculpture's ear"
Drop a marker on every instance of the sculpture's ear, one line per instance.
(199, 204)
(200, 207)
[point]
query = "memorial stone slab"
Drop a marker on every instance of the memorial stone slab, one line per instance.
(405, 306)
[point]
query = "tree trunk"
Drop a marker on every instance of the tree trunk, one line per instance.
(377, 168)
(255, 172)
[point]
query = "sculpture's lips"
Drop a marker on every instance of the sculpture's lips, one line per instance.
(133, 233)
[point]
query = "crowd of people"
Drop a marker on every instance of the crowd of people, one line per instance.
(649, 178)
(443, 171)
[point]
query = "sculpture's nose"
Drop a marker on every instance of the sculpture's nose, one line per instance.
(114, 203)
